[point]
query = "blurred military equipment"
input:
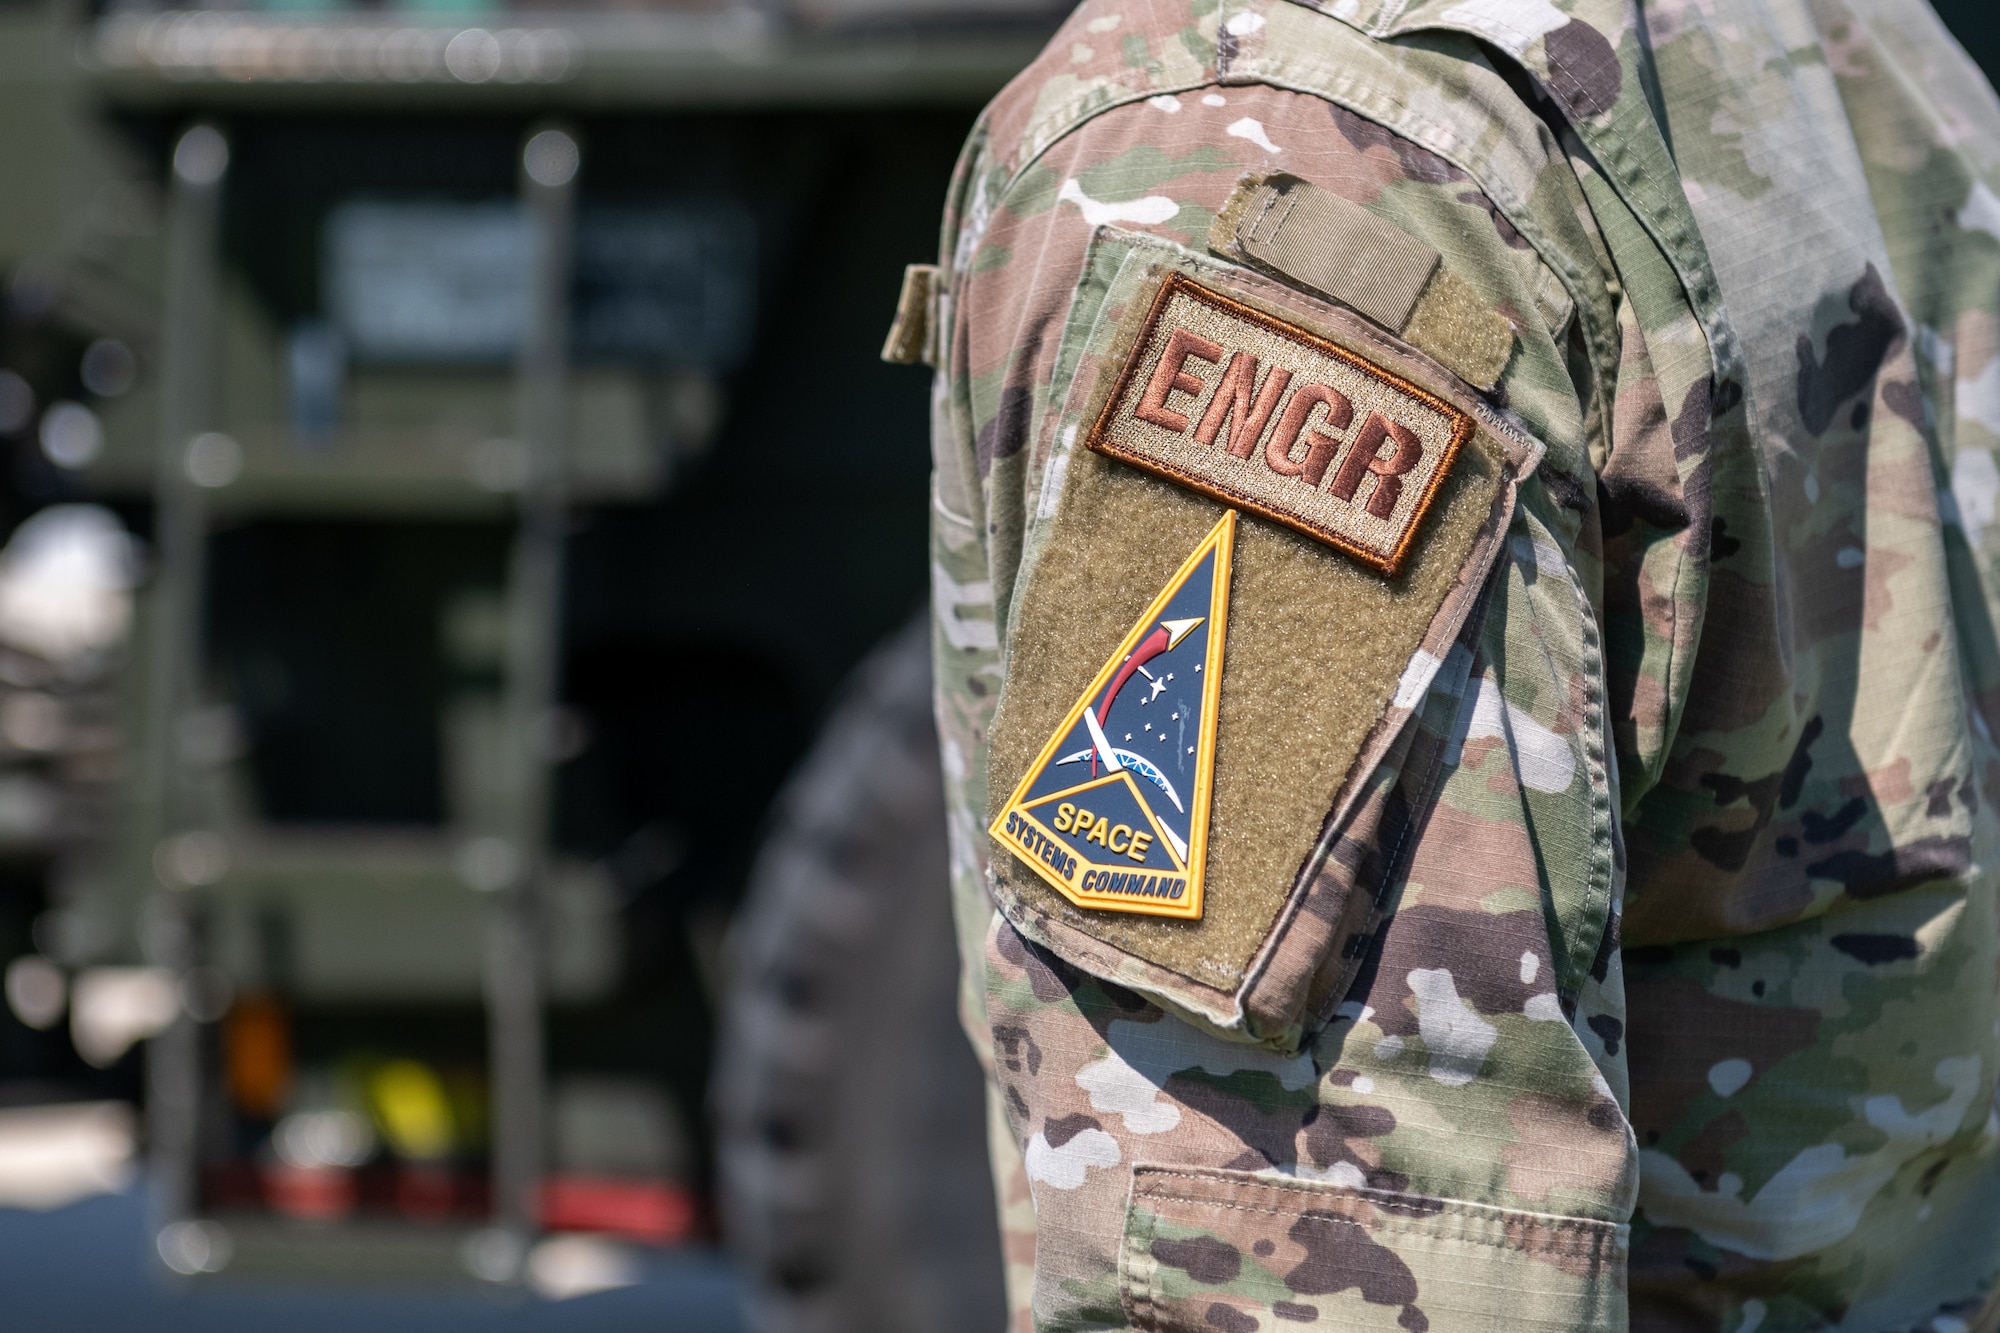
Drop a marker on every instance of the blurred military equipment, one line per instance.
(852, 1109)
(447, 475)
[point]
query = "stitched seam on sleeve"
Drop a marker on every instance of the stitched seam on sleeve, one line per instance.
(1142, 1296)
(1514, 207)
(1592, 1246)
(1597, 1234)
(1468, 1207)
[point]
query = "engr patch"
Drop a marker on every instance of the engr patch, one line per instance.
(1263, 415)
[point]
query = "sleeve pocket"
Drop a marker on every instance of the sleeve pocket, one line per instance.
(1209, 1250)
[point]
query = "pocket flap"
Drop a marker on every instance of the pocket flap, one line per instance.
(1363, 497)
(1209, 1249)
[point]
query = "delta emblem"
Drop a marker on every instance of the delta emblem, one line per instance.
(1114, 812)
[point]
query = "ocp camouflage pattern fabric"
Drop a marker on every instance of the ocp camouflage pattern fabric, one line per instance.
(1683, 1007)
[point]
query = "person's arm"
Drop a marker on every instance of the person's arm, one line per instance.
(1454, 1132)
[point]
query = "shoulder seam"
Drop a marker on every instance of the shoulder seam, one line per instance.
(1077, 120)
(1508, 201)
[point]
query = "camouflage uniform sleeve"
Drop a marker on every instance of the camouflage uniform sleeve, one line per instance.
(966, 656)
(1445, 1146)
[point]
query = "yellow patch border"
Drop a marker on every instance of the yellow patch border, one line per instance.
(1220, 540)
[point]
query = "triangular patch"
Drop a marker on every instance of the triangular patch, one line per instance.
(1114, 811)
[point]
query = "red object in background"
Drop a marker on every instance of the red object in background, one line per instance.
(425, 1192)
(318, 1192)
(437, 1193)
(648, 1210)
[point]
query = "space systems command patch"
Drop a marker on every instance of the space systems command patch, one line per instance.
(1265, 416)
(1114, 811)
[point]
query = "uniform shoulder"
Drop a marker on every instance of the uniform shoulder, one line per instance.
(1105, 55)
(1444, 94)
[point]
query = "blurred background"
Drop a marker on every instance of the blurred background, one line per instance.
(471, 854)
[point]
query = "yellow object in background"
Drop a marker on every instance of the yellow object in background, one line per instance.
(411, 1111)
